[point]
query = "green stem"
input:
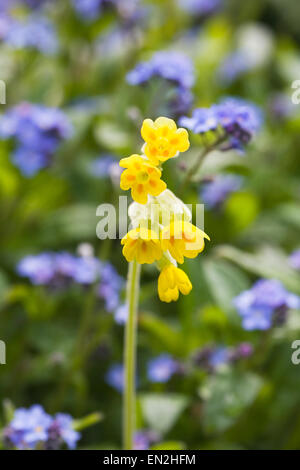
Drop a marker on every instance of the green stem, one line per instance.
(195, 167)
(133, 285)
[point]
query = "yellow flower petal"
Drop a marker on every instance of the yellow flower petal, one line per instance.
(171, 281)
(143, 245)
(141, 177)
(183, 239)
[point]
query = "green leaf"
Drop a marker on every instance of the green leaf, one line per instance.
(77, 222)
(227, 395)
(87, 421)
(112, 136)
(225, 282)
(161, 411)
(167, 336)
(266, 262)
(241, 208)
(218, 161)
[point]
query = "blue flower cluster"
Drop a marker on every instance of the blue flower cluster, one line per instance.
(59, 269)
(239, 119)
(211, 358)
(34, 32)
(143, 439)
(295, 260)
(89, 9)
(33, 428)
(172, 66)
(215, 192)
(38, 130)
(162, 368)
(265, 304)
(200, 7)
(159, 370)
(9, 4)
(203, 120)
(115, 377)
(110, 286)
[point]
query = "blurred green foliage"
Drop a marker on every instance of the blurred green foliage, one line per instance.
(61, 344)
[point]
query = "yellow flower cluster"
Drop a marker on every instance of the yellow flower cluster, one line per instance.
(162, 141)
(178, 239)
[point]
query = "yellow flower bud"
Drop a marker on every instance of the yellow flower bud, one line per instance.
(171, 281)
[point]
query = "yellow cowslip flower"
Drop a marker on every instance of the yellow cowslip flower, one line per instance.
(143, 245)
(172, 280)
(181, 239)
(163, 139)
(142, 177)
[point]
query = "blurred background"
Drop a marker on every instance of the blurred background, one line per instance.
(81, 75)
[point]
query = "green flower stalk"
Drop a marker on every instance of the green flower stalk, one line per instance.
(161, 234)
(133, 287)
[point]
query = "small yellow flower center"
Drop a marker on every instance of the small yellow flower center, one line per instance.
(142, 177)
(163, 144)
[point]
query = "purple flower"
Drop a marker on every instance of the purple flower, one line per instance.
(202, 120)
(215, 192)
(28, 427)
(86, 270)
(144, 438)
(200, 7)
(259, 305)
(52, 268)
(141, 441)
(294, 259)
(211, 358)
(88, 9)
(29, 161)
(34, 32)
(170, 65)
(115, 377)
(219, 357)
(33, 428)
(161, 368)
(61, 431)
(239, 118)
(140, 74)
(57, 269)
(110, 286)
(181, 101)
(38, 131)
(242, 351)
(39, 269)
